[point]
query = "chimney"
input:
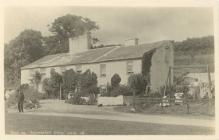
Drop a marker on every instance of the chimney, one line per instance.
(131, 42)
(80, 44)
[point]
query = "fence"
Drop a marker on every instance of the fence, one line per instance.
(171, 101)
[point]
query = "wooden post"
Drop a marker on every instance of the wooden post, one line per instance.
(60, 92)
(188, 107)
(209, 82)
(134, 99)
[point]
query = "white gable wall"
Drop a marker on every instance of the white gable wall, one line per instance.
(162, 59)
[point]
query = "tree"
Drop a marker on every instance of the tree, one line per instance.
(88, 82)
(24, 49)
(115, 80)
(68, 26)
(88, 85)
(56, 82)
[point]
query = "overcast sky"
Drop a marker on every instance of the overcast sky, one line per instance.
(118, 24)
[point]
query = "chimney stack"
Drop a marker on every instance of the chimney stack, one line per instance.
(131, 42)
(80, 44)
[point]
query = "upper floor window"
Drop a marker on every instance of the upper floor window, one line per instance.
(130, 67)
(31, 72)
(63, 69)
(43, 70)
(78, 68)
(102, 70)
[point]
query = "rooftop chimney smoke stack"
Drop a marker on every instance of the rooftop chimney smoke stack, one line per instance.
(80, 44)
(131, 42)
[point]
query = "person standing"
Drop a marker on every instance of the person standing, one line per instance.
(20, 101)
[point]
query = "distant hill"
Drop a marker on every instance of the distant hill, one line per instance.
(195, 51)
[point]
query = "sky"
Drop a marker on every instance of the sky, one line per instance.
(117, 24)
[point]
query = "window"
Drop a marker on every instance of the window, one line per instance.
(78, 68)
(130, 67)
(63, 69)
(43, 70)
(102, 70)
(31, 72)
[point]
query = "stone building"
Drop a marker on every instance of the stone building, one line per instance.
(105, 62)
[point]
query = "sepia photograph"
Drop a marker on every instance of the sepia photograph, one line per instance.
(104, 70)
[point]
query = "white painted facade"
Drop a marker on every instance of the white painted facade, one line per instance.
(161, 60)
(119, 67)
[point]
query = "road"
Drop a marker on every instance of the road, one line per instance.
(64, 125)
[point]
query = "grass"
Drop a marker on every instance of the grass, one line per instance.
(55, 125)
(202, 109)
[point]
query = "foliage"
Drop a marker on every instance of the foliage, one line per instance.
(146, 64)
(52, 85)
(72, 26)
(70, 79)
(76, 100)
(193, 46)
(115, 80)
(31, 97)
(53, 45)
(119, 90)
(137, 83)
(65, 27)
(24, 49)
(88, 83)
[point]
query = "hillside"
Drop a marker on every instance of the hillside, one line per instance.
(195, 51)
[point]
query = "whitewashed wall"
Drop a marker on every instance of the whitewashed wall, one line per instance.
(161, 60)
(119, 67)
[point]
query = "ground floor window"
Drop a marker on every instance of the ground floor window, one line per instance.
(102, 70)
(130, 67)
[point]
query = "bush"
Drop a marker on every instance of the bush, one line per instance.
(12, 100)
(115, 80)
(76, 99)
(119, 90)
(137, 83)
(31, 97)
(52, 85)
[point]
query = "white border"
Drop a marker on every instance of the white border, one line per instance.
(108, 3)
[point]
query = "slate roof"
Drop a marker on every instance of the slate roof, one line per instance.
(96, 55)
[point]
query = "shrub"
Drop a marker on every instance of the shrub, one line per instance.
(52, 85)
(115, 80)
(31, 97)
(12, 100)
(76, 99)
(120, 90)
(137, 83)
(70, 79)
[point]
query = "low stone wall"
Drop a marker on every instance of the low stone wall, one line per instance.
(110, 100)
(119, 100)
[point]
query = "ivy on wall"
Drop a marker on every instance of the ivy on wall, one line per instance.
(146, 64)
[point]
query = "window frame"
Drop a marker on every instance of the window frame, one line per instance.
(63, 68)
(43, 71)
(102, 72)
(129, 67)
